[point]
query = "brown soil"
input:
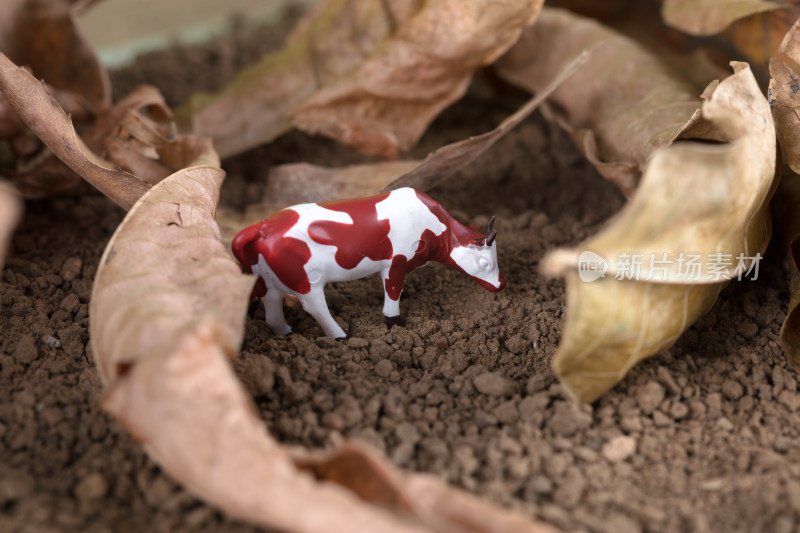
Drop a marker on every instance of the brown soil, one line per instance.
(702, 437)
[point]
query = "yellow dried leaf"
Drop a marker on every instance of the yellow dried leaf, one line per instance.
(369, 74)
(620, 106)
(695, 199)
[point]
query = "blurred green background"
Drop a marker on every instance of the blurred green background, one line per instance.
(121, 29)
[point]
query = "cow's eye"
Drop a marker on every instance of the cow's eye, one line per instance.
(484, 263)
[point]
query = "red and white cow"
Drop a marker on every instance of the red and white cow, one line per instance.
(298, 250)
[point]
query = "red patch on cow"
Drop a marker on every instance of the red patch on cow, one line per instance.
(286, 256)
(462, 234)
(365, 237)
(430, 248)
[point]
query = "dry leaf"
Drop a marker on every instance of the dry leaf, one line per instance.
(707, 17)
(695, 198)
(299, 183)
(131, 133)
(783, 96)
(423, 496)
(453, 157)
(620, 106)
(42, 35)
(369, 74)
(753, 38)
(787, 222)
(785, 102)
(10, 212)
(34, 170)
(137, 302)
(758, 37)
(136, 134)
(37, 108)
(145, 99)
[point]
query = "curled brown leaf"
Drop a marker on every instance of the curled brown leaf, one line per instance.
(143, 99)
(36, 107)
(369, 74)
(620, 106)
(130, 147)
(137, 301)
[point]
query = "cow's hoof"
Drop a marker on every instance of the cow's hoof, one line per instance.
(394, 321)
(343, 338)
(285, 329)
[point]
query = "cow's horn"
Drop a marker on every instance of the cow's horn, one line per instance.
(490, 238)
(489, 226)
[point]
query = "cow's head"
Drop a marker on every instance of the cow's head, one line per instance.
(478, 259)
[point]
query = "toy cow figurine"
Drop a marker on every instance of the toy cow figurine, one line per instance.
(298, 250)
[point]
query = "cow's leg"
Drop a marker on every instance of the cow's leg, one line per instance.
(391, 307)
(315, 305)
(273, 309)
